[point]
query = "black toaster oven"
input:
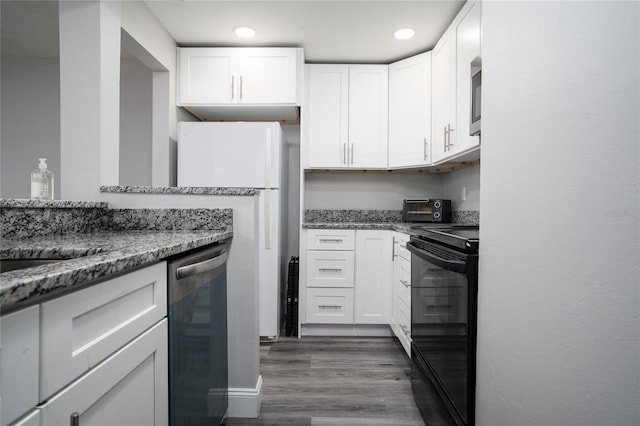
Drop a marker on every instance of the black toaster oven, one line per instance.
(426, 210)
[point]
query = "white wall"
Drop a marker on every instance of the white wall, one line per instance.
(136, 93)
(30, 122)
(368, 191)
(559, 328)
(453, 183)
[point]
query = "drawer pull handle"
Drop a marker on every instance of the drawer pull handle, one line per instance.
(405, 283)
(404, 330)
(330, 306)
(330, 240)
(439, 306)
(330, 269)
(74, 419)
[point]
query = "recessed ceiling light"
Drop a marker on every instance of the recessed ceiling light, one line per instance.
(244, 32)
(404, 33)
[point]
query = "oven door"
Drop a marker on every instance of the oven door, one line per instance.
(443, 323)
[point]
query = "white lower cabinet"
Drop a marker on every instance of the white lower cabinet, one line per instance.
(352, 285)
(19, 354)
(100, 353)
(373, 277)
(401, 322)
(128, 388)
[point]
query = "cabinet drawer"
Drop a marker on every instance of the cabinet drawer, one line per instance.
(330, 268)
(85, 327)
(404, 326)
(330, 305)
(404, 282)
(19, 351)
(331, 239)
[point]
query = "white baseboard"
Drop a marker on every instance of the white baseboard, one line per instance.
(360, 330)
(245, 402)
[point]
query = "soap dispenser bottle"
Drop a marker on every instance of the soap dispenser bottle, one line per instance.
(42, 182)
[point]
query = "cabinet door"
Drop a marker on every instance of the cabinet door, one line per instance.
(207, 76)
(368, 116)
(130, 388)
(410, 111)
(444, 96)
(83, 328)
(330, 268)
(19, 361)
(329, 305)
(467, 49)
(328, 103)
(373, 277)
(267, 75)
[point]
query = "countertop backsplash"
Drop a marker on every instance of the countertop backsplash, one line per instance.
(26, 218)
(465, 217)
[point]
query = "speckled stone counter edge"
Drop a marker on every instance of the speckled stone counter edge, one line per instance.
(179, 190)
(52, 204)
(373, 219)
(120, 252)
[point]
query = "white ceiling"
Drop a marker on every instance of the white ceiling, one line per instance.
(357, 31)
(328, 30)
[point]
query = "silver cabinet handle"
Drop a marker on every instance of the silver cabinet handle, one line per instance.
(405, 330)
(425, 149)
(405, 283)
(344, 153)
(331, 240)
(240, 87)
(448, 131)
(74, 419)
(330, 306)
(233, 85)
(393, 250)
(351, 156)
(200, 267)
(330, 269)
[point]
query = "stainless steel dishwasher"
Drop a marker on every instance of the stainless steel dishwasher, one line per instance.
(198, 384)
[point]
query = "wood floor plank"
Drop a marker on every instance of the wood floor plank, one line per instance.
(327, 381)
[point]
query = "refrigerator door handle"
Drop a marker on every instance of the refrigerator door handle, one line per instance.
(267, 192)
(267, 219)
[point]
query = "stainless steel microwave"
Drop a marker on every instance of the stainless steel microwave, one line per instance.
(426, 210)
(476, 97)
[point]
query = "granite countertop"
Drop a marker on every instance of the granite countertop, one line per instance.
(193, 190)
(393, 226)
(103, 254)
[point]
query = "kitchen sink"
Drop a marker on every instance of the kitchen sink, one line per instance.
(7, 265)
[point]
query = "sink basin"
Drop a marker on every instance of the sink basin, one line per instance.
(7, 265)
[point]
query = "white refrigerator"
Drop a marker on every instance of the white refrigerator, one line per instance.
(245, 155)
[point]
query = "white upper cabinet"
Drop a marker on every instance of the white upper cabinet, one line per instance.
(208, 76)
(468, 33)
(452, 58)
(410, 111)
(444, 96)
(328, 120)
(348, 116)
(368, 116)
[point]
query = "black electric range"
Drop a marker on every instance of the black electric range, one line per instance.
(444, 285)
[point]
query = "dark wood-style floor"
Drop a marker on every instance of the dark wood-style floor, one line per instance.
(335, 381)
